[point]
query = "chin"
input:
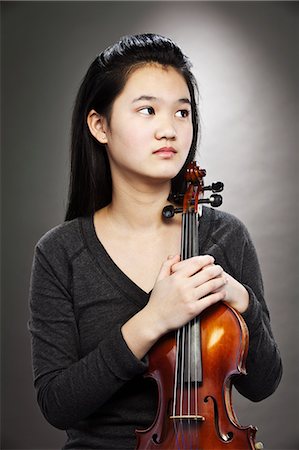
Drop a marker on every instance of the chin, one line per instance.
(167, 173)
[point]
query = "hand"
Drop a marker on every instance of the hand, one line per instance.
(236, 294)
(183, 289)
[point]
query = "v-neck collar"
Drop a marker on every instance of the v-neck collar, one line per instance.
(107, 265)
(112, 270)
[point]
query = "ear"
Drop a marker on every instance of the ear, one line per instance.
(97, 125)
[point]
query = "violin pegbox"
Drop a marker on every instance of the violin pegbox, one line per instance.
(195, 188)
(193, 199)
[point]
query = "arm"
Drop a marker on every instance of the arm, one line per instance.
(69, 387)
(263, 364)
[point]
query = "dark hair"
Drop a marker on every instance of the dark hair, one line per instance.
(90, 177)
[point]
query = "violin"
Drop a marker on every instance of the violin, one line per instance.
(194, 366)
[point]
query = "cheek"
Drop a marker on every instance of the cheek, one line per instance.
(187, 137)
(135, 138)
(127, 143)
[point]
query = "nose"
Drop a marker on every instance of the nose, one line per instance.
(165, 129)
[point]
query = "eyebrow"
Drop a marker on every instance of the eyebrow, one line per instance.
(151, 98)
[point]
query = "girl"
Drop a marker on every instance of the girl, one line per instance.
(108, 282)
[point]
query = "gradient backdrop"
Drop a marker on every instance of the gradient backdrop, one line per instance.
(246, 62)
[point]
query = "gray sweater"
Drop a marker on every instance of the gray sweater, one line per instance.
(88, 382)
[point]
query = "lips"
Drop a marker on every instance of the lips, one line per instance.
(165, 151)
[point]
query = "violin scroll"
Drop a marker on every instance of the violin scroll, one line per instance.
(193, 196)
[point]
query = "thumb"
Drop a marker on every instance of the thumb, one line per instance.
(165, 270)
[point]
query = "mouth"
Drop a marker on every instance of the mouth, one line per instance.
(166, 152)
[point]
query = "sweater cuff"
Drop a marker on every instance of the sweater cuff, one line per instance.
(119, 358)
(252, 315)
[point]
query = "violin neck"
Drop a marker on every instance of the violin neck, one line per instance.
(188, 337)
(190, 235)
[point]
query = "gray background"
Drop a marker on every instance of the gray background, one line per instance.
(246, 63)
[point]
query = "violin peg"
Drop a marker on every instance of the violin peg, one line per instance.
(217, 187)
(258, 445)
(215, 200)
(169, 211)
(214, 187)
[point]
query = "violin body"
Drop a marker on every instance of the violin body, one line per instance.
(213, 426)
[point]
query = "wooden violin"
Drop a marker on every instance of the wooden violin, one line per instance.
(194, 367)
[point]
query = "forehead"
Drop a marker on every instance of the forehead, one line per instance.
(157, 81)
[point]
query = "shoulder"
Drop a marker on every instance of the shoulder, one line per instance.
(226, 238)
(222, 230)
(66, 238)
(223, 223)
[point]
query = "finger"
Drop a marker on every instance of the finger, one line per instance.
(207, 266)
(209, 300)
(166, 268)
(207, 273)
(211, 286)
(190, 266)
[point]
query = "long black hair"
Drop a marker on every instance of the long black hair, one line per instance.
(90, 185)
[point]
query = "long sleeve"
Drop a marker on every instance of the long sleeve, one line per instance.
(70, 386)
(227, 239)
(263, 364)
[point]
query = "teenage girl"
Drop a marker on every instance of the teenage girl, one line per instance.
(108, 282)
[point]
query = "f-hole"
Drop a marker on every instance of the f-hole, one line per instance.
(224, 437)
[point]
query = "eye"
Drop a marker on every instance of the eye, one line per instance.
(147, 111)
(183, 113)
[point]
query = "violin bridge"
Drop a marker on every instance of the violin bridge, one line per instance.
(189, 417)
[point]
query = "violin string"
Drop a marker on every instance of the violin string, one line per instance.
(196, 335)
(185, 359)
(175, 387)
(175, 395)
(195, 369)
(190, 338)
(191, 240)
(178, 340)
(182, 370)
(184, 249)
(189, 323)
(196, 322)
(177, 360)
(194, 329)
(177, 400)
(189, 368)
(190, 253)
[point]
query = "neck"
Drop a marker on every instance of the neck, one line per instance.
(138, 208)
